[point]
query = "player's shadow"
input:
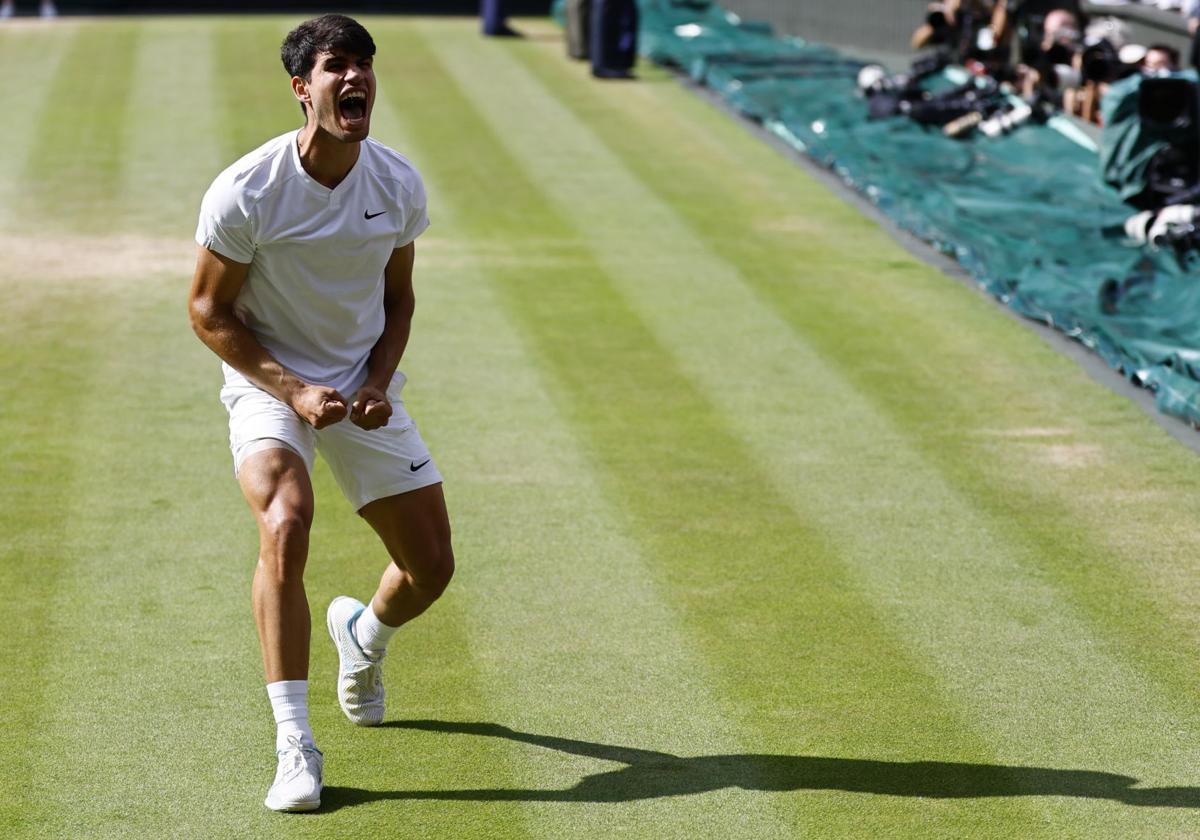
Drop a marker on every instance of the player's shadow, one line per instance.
(650, 775)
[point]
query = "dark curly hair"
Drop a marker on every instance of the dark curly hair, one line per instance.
(328, 33)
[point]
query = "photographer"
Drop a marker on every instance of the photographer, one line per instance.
(1150, 147)
(1150, 153)
(954, 25)
(1105, 57)
(1051, 65)
(1160, 59)
(1031, 20)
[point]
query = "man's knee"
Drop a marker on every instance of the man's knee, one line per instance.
(434, 573)
(284, 537)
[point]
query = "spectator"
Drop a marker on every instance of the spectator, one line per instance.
(1031, 18)
(1106, 57)
(1160, 59)
(954, 24)
(1060, 35)
(1191, 10)
(1051, 64)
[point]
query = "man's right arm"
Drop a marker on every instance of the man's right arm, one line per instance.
(215, 287)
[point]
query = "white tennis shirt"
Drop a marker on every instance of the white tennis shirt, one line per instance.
(313, 296)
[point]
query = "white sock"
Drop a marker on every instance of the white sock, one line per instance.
(289, 702)
(372, 634)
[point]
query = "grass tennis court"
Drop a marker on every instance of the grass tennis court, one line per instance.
(765, 528)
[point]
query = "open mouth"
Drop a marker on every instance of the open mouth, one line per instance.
(353, 106)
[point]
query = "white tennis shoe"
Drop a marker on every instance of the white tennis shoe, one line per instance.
(360, 677)
(298, 779)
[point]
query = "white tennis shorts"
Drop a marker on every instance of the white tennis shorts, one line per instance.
(368, 465)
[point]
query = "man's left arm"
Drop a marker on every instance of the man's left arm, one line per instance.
(371, 407)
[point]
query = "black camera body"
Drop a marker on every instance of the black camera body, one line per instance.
(1169, 104)
(1168, 108)
(894, 95)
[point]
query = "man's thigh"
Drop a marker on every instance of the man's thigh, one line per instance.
(259, 421)
(277, 487)
(414, 526)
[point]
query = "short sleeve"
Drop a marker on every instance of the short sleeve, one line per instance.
(224, 224)
(416, 219)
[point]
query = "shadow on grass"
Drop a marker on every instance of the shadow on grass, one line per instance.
(650, 775)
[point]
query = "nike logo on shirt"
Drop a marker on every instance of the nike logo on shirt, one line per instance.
(367, 215)
(414, 466)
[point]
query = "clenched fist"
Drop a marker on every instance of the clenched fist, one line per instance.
(371, 408)
(319, 406)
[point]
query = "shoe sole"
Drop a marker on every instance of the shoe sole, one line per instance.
(294, 807)
(332, 628)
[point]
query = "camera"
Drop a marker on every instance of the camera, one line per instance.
(927, 65)
(1168, 104)
(1151, 148)
(1007, 119)
(888, 96)
(1167, 109)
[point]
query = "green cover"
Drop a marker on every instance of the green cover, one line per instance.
(1024, 213)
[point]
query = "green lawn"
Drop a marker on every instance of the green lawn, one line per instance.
(765, 528)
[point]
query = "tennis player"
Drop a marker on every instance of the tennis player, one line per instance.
(303, 288)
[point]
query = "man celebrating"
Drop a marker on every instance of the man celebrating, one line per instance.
(303, 288)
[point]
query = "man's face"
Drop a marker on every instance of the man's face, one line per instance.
(340, 94)
(1060, 27)
(1157, 61)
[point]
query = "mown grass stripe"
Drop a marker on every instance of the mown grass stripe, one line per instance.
(154, 655)
(109, 715)
(116, 421)
(142, 701)
(174, 113)
(74, 171)
(1094, 434)
(1098, 462)
(570, 643)
(1055, 485)
(996, 574)
(727, 558)
(43, 474)
(435, 672)
(247, 56)
(29, 58)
